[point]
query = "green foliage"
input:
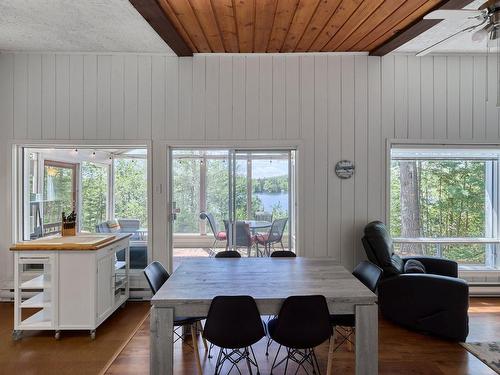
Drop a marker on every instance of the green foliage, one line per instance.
(94, 195)
(58, 193)
(452, 204)
(131, 190)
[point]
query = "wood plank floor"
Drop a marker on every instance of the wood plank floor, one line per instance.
(401, 351)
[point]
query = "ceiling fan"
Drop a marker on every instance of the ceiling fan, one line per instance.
(486, 28)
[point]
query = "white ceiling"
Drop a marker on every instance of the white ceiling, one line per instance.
(76, 26)
(462, 44)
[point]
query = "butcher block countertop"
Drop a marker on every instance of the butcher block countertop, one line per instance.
(78, 242)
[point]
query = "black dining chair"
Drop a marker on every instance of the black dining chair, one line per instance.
(369, 274)
(283, 254)
(228, 254)
(157, 275)
(302, 324)
(234, 325)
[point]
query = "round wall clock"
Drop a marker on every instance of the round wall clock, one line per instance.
(344, 169)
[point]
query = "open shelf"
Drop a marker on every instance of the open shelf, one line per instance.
(39, 282)
(39, 300)
(41, 319)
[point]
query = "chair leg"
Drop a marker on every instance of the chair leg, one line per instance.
(195, 347)
(330, 353)
(349, 342)
(282, 247)
(200, 329)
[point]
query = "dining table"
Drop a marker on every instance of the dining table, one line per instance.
(190, 290)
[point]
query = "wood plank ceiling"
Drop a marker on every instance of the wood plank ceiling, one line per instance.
(244, 26)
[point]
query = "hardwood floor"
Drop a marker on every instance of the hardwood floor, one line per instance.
(401, 351)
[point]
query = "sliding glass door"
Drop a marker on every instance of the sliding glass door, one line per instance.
(227, 198)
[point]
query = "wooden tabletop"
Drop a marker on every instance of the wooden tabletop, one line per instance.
(269, 280)
(79, 242)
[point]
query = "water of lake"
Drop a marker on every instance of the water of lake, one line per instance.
(272, 199)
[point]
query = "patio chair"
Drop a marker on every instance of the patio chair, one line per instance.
(218, 235)
(264, 216)
(275, 235)
(243, 236)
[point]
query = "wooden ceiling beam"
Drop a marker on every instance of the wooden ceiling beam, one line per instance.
(156, 17)
(416, 28)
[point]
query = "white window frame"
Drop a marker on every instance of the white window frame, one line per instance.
(495, 186)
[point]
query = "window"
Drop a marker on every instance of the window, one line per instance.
(98, 184)
(443, 203)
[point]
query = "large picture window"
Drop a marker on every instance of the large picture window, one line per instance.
(443, 203)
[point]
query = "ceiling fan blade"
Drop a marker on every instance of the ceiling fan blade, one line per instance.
(447, 14)
(488, 4)
(447, 39)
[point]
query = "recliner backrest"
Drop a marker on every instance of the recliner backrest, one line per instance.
(379, 249)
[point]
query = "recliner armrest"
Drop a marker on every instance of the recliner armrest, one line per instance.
(432, 292)
(437, 266)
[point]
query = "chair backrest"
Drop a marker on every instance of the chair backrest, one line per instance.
(277, 229)
(264, 216)
(380, 250)
(102, 228)
(369, 274)
(211, 221)
(228, 254)
(243, 236)
(129, 225)
(233, 322)
(283, 254)
(156, 275)
(303, 322)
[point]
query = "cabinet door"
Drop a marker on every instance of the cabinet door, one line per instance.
(104, 286)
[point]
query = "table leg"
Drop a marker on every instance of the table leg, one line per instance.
(161, 341)
(366, 340)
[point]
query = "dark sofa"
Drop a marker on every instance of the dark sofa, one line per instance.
(435, 302)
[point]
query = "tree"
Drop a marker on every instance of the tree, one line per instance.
(410, 208)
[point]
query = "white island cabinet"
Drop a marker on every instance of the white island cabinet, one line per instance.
(69, 283)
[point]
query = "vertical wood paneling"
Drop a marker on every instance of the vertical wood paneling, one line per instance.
(144, 96)
(400, 96)
(427, 94)
(334, 155)
(347, 230)
(212, 98)
(292, 92)
(130, 88)
(226, 98)
(169, 95)
(117, 97)
(466, 101)
(320, 152)
(62, 97)
(306, 201)
(279, 100)
(440, 104)
(239, 78)
(337, 107)
(34, 107)
(199, 94)
(90, 97)
(252, 97)
(453, 97)
(185, 98)
(375, 143)
(360, 152)
(163, 117)
(21, 96)
(7, 96)
(414, 96)
(104, 97)
(479, 97)
(266, 97)
(76, 97)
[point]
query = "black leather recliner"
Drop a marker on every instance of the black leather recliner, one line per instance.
(435, 302)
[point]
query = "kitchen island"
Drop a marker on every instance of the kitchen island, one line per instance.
(69, 283)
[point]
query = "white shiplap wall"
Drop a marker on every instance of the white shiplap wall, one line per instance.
(334, 106)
